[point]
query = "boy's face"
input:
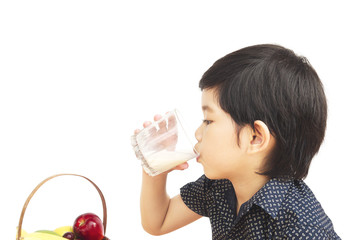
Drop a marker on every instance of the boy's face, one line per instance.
(220, 154)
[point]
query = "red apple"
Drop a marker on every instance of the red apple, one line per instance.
(88, 226)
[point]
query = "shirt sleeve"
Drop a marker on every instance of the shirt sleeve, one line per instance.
(194, 195)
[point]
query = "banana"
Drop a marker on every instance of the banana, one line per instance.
(23, 233)
(49, 232)
(42, 236)
(62, 230)
(46, 234)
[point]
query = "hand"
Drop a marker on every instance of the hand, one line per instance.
(170, 142)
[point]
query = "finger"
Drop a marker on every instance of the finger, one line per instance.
(146, 124)
(182, 166)
(150, 128)
(161, 124)
(136, 131)
(157, 117)
(172, 121)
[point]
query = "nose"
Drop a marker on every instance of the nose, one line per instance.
(198, 133)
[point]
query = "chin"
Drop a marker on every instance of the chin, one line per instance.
(212, 176)
(210, 173)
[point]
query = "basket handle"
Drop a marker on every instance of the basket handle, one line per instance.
(49, 178)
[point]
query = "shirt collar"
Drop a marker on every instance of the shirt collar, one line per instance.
(271, 196)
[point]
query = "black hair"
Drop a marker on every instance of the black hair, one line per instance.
(272, 84)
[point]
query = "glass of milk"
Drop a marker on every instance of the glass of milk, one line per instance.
(164, 144)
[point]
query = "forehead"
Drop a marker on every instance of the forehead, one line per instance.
(209, 101)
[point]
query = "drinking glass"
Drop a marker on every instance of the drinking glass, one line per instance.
(164, 144)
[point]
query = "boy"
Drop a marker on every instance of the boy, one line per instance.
(264, 119)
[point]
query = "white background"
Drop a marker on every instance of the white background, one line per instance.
(77, 77)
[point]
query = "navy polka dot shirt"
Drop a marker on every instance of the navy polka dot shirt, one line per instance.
(280, 210)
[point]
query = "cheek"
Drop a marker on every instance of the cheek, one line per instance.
(219, 143)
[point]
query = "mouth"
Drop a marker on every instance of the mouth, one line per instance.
(197, 153)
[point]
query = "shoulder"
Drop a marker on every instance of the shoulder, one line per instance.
(301, 231)
(301, 213)
(301, 201)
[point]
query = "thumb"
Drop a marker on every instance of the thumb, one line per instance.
(182, 166)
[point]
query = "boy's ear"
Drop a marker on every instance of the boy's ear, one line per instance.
(261, 137)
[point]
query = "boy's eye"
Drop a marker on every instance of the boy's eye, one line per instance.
(207, 122)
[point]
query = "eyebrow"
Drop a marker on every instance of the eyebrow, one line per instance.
(207, 108)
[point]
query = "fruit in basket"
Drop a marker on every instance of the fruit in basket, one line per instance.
(89, 226)
(48, 232)
(62, 230)
(40, 235)
(69, 235)
(43, 236)
(23, 233)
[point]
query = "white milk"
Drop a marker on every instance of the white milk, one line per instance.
(165, 160)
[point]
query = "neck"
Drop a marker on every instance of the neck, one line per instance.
(245, 188)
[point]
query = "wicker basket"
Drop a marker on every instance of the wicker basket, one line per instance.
(104, 220)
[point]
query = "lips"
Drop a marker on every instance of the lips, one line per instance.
(198, 157)
(198, 154)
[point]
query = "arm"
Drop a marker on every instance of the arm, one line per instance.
(161, 214)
